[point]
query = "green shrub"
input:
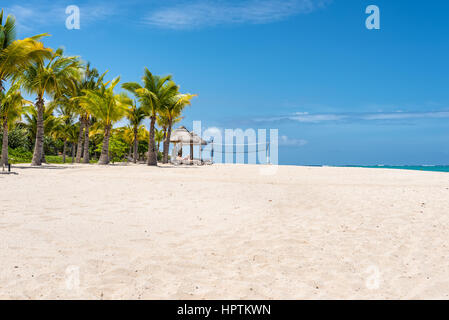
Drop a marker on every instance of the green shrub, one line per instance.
(117, 149)
(20, 155)
(18, 138)
(58, 160)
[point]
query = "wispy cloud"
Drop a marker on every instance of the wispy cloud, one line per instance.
(203, 13)
(407, 115)
(305, 117)
(34, 15)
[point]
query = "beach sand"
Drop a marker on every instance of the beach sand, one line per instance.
(223, 232)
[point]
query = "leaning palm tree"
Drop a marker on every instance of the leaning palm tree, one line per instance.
(108, 108)
(48, 78)
(11, 107)
(135, 115)
(152, 96)
(172, 110)
(16, 55)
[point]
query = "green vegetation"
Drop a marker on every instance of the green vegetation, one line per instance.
(20, 155)
(77, 123)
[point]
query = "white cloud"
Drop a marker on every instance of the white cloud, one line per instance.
(305, 117)
(33, 16)
(405, 115)
(286, 141)
(201, 13)
(213, 132)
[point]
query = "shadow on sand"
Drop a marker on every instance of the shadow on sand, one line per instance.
(8, 173)
(178, 167)
(44, 167)
(159, 166)
(76, 166)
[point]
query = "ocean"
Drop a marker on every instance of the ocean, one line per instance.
(436, 168)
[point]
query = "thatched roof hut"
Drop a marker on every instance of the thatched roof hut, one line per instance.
(182, 136)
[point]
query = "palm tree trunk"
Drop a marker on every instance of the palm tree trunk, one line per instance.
(39, 145)
(104, 157)
(86, 143)
(135, 145)
(152, 156)
(4, 160)
(167, 141)
(64, 150)
(73, 153)
(43, 159)
(80, 141)
(191, 148)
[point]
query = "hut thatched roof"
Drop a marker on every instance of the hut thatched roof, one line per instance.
(184, 136)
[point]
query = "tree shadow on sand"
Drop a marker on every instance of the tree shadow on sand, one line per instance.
(160, 166)
(45, 167)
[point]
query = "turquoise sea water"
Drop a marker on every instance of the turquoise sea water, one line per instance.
(418, 168)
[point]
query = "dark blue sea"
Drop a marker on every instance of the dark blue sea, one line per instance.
(436, 168)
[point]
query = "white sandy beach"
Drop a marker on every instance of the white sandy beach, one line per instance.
(223, 232)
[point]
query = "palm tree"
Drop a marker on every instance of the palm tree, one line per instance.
(90, 80)
(127, 135)
(159, 137)
(11, 106)
(172, 110)
(16, 55)
(162, 121)
(72, 138)
(50, 122)
(65, 123)
(135, 116)
(152, 96)
(107, 108)
(49, 78)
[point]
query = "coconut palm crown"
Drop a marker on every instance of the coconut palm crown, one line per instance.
(90, 80)
(108, 108)
(172, 110)
(152, 96)
(52, 78)
(16, 55)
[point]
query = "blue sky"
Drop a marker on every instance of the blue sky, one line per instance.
(338, 93)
